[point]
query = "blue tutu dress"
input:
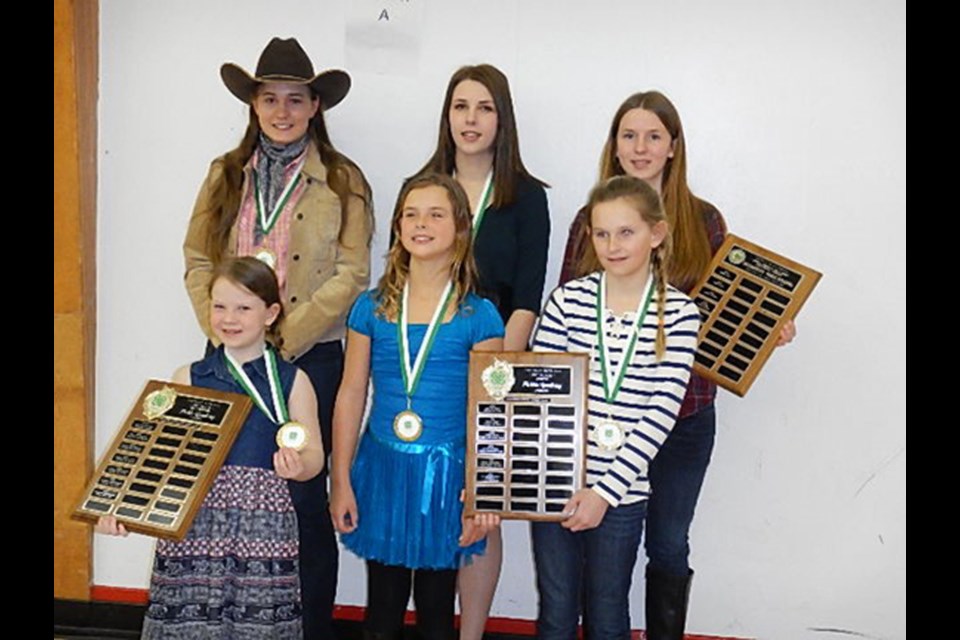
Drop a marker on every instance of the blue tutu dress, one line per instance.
(408, 493)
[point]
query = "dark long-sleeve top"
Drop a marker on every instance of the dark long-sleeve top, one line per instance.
(511, 251)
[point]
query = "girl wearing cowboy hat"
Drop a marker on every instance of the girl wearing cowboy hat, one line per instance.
(287, 197)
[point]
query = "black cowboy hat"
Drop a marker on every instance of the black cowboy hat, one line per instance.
(286, 61)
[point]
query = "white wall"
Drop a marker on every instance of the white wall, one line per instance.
(796, 119)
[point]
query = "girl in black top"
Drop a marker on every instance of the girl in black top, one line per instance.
(478, 145)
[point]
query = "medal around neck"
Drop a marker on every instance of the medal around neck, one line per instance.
(268, 219)
(408, 425)
(293, 435)
(613, 379)
(267, 257)
(483, 203)
(279, 414)
(609, 435)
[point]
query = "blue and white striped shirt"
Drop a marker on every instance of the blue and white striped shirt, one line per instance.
(649, 400)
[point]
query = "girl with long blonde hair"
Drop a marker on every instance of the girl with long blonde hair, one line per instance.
(646, 141)
(641, 334)
(396, 500)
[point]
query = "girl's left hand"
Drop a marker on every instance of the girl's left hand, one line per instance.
(787, 333)
(477, 527)
(287, 463)
(586, 509)
(110, 526)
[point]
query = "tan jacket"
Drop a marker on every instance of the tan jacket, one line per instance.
(324, 276)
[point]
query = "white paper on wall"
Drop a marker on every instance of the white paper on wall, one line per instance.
(383, 36)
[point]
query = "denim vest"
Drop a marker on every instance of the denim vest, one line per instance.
(255, 444)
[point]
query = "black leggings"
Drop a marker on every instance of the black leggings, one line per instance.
(388, 590)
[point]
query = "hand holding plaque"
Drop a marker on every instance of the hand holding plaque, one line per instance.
(161, 463)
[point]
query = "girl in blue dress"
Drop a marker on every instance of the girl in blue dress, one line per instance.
(397, 504)
(479, 146)
(235, 573)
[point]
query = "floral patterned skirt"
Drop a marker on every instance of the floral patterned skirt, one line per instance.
(235, 574)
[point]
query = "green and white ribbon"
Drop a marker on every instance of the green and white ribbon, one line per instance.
(279, 415)
(612, 383)
(412, 373)
(483, 203)
(267, 221)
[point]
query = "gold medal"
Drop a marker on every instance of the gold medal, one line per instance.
(293, 435)
(609, 436)
(408, 425)
(267, 257)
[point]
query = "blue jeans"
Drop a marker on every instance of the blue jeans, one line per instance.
(592, 567)
(319, 553)
(676, 476)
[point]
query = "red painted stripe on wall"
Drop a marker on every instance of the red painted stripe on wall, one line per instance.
(118, 594)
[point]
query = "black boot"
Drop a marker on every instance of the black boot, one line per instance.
(666, 604)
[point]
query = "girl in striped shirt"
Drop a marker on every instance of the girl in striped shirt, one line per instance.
(641, 334)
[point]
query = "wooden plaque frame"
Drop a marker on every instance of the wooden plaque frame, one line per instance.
(746, 296)
(163, 459)
(527, 442)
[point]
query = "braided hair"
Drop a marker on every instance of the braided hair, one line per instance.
(646, 201)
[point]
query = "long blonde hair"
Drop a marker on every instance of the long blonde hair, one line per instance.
(684, 211)
(463, 271)
(645, 201)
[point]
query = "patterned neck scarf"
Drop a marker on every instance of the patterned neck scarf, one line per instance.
(272, 161)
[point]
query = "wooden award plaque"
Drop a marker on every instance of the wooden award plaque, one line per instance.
(161, 463)
(526, 433)
(746, 296)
